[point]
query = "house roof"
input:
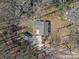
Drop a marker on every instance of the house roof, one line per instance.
(42, 26)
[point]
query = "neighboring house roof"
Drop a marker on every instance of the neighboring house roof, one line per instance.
(42, 26)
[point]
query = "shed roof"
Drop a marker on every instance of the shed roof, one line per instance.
(42, 26)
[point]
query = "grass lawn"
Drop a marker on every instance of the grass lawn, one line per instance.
(27, 24)
(56, 23)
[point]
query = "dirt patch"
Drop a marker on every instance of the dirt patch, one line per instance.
(57, 24)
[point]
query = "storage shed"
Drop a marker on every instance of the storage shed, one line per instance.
(41, 27)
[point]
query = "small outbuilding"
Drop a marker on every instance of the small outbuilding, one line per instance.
(41, 27)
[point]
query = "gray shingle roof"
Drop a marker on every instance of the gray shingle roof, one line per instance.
(42, 26)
